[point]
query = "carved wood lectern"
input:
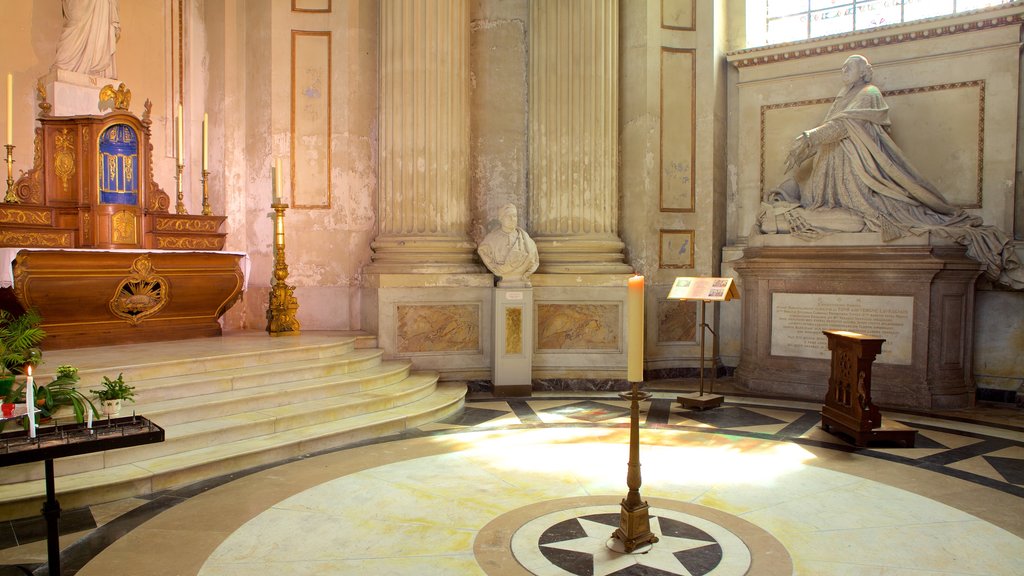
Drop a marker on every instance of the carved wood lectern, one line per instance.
(848, 409)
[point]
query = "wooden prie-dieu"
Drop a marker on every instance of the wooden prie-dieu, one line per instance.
(92, 245)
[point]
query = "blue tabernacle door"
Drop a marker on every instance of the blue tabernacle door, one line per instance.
(119, 165)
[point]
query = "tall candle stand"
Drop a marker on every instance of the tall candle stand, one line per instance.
(180, 206)
(634, 528)
(206, 194)
(281, 319)
(10, 196)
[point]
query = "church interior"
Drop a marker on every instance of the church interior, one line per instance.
(509, 287)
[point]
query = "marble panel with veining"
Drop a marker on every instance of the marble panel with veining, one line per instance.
(677, 321)
(438, 328)
(578, 327)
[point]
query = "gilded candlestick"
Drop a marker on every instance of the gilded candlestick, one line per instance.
(10, 196)
(206, 194)
(180, 206)
(281, 319)
(634, 520)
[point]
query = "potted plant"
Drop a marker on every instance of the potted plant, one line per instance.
(114, 393)
(19, 336)
(61, 391)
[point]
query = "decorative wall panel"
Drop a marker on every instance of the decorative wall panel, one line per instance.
(578, 327)
(675, 248)
(678, 14)
(311, 120)
(311, 5)
(677, 321)
(438, 328)
(678, 129)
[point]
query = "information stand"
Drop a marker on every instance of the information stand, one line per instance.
(704, 290)
(69, 440)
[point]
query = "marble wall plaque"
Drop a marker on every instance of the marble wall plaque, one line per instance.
(578, 327)
(438, 328)
(798, 321)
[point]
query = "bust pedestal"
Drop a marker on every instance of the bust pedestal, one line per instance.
(74, 93)
(513, 341)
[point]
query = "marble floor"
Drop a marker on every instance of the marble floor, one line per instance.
(533, 486)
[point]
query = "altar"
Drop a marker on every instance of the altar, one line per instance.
(87, 238)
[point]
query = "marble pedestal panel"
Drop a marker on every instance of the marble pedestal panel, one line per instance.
(513, 341)
(74, 93)
(580, 334)
(438, 321)
(923, 296)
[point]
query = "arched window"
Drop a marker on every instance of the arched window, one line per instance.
(792, 20)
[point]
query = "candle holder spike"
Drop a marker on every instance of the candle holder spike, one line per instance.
(283, 305)
(10, 196)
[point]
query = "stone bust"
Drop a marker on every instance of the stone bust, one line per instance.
(509, 252)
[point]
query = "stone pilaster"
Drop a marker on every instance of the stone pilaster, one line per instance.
(423, 205)
(574, 94)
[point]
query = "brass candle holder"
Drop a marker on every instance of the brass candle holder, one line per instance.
(634, 528)
(281, 311)
(206, 194)
(10, 196)
(180, 206)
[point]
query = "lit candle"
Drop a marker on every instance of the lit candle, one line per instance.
(206, 155)
(30, 403)
(277, 181)
(10, 109)
(635, 317)
(179, 154)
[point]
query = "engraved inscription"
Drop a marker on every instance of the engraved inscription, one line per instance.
(593, 327)
(438, 328)
(798, 320)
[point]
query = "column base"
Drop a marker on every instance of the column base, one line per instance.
(423, 255)
(581, 255)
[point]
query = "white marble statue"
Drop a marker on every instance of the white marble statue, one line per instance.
(861, 181)
(509, 252)
(89, 38)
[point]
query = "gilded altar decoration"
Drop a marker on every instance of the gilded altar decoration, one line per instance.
(44, 106)
(12, 215)
(118, 166)
(142, 294)
(64, 160)
(120, 99)
(124, 228)
(43, 239)
(186, 243)
(179, 225)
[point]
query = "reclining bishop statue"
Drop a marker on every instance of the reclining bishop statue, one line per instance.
(860, 181)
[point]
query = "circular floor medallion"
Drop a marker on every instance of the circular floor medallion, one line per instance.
(569, 537)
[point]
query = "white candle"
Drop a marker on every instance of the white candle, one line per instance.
(206, 154)
(88, 418)
(179, 151)
(277, 181)
(10, 109)
(635, 333)
(30, 403)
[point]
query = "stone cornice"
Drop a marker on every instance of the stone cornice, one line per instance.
(995, 17)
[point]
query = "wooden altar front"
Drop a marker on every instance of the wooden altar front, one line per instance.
(109, 275)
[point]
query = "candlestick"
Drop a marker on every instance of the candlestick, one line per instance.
(180, 206)
(30, 403)
(206, 155)
(283, 305)
(10, 109)
(635, 333)
(10, 196)
(179, 148)
(206, 194)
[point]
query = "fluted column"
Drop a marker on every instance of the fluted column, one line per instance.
(423, 185)
(574, 86)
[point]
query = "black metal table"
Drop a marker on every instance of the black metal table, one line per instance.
(70, 440)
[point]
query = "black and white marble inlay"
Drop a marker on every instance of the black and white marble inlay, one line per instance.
(575, 542)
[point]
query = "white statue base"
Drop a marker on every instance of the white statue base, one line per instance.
(74, 93)
(513, 341)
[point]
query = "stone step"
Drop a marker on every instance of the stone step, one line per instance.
(24, 499)
(247, 413)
